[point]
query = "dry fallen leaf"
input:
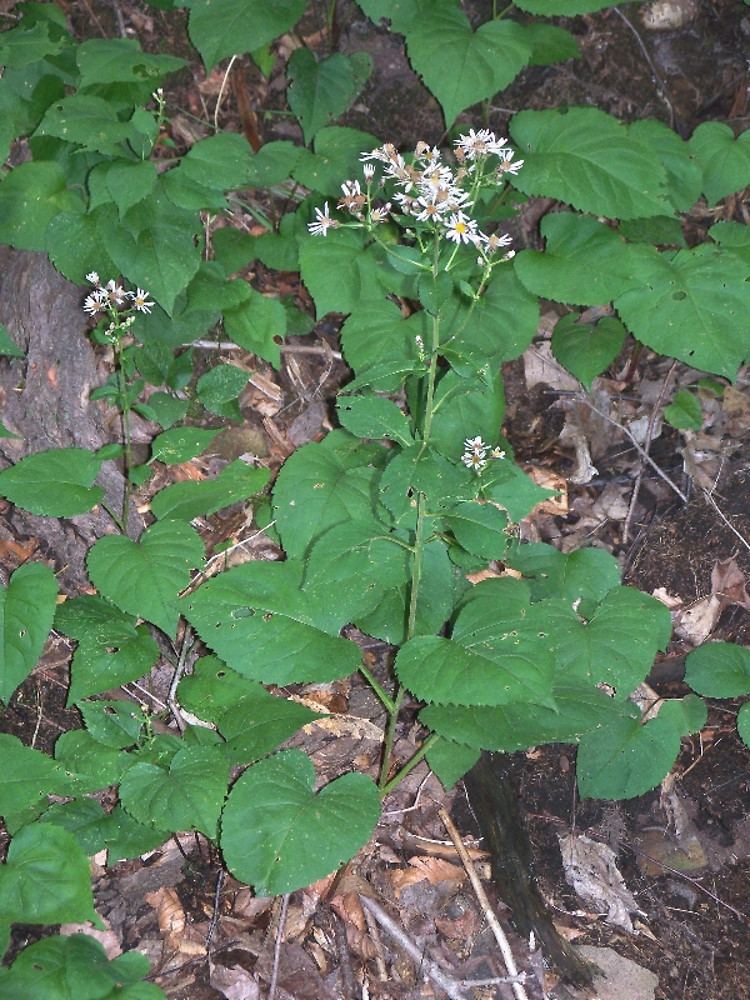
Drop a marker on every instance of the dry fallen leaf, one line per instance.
(426, 867)
(590, 867)
(173, 924)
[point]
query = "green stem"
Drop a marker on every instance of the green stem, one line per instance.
(388, 702)
(410, 764)
(122, 388)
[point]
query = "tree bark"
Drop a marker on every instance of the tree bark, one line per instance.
(44, 398)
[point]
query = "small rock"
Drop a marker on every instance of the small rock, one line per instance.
(669, 15)
(620, 977)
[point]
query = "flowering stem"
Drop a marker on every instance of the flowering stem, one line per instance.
(122, 389)
(409, 766)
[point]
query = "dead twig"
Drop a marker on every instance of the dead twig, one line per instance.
(725, 519)
(220, 878)
(646, 447)
(646, 457)
(661, 87)
(374, 932)
(277, 946)
(489, 914)
(431, 969)
(228, 345)
(187, 641)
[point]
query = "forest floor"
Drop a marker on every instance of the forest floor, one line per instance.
(690, 883)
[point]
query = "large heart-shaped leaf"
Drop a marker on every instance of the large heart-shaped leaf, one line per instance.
(144, 578)
(220, 28)
(27, 607)
(629, 757)
(278, 835)
(45, 879)
(693, 305)
(112, 650)
(724, 159)
(187, 796)
(259, 621)
(459, 66)
(54, 483)
(321, 91)
(587, 158)
(719, 670)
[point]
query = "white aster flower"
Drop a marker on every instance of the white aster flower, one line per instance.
(473, 461)
(96, 303)
(497, 453)
(117, 293)
(380, 214)
(323, 222)
(507, 164)
(368, 171)
(461, 229)
(93, 278)
(140, 300)
(475, 445)
(478, 143)
(492, 243)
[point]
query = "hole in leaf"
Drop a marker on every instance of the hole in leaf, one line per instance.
(679, 296)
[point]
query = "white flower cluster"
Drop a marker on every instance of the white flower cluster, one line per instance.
(110, 297)
(475, 454)
(429, 190)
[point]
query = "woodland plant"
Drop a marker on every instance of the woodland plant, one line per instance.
(384, 522)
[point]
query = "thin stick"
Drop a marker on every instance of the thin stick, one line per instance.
(229, 345)
(431, 969)
(222, 88)
(174, 708)
(502, 941)
(646, 448)
(646, 457)
(374, 932)
(661, 87)
(215, 914)
(724, 518)
(277, 947)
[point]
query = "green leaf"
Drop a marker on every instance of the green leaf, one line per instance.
(27, 607)
(62, 967)
(507, 728)
(219, 388)
(31, 195)
(629, 757)
(188, 796)
(510, 487)
(112, 650)
(116, 724)
(324, 484)
(336, 157)
(684, 412)
(144, 578)
(45, 878)
(252, 721)
(587, 158)
(743, 723)
(321, 91)
(338, 272)
(166, 408)
(422, 470)
(693, 306)
(28, 44)
(55, 483)
(374, 417)
(274, 163)
(719, 670)
(359, 561)
(482, 62)
(279, 835)
(8, 346)
(683, 173)
(377, 330)
(120, 60)
(479, 528)
(586, 574)
(91, 765)
(75, 243)
(257, 325)
(450, 761)
(389, 620)
(549, 44)
(447, 673)
(84, 818)
(129, 183)
(724, 159)
(587, 349)
(220, 28)
(184, 501)
(155, 248)
(661, 230)
(256, 618)
(585, 262)
(28, 776)
(500, 328)
(220, 161)
(466, 407)
(89, 122)
(180, 444)
(126, 838)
